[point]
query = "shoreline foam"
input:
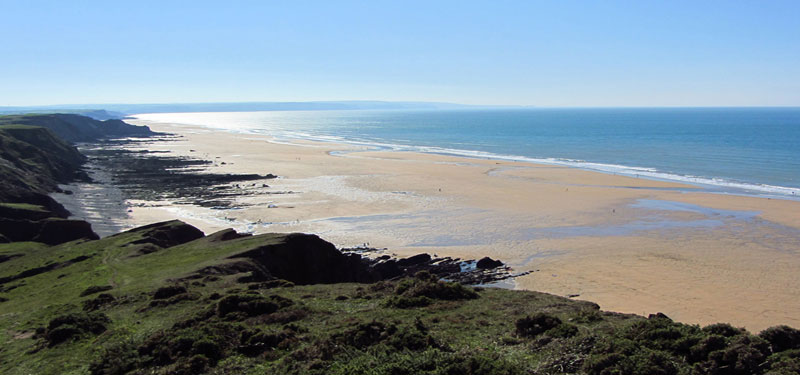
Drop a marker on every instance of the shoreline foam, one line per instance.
(712, 184)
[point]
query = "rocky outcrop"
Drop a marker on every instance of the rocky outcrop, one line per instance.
(166, 234)
(298, 258)
(486, 263)
(226, 235)
(306, 259)
(23, 212)
(56, 231)
(414, 260)
(51, 231)
(147, 175)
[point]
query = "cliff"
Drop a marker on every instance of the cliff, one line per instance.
(77, 128)
(35, 157)
(33, 162)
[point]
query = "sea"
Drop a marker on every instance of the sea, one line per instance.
(748, 151)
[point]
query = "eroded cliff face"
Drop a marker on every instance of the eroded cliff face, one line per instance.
(33, 162)
(35, 157)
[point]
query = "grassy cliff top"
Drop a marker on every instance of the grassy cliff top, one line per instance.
(164, 299)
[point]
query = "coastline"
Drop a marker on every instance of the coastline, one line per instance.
(97, 201)
(631, 245)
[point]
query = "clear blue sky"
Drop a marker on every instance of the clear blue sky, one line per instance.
(543, 53)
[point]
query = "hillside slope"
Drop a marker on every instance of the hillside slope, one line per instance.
(164, 299)
(33, 162)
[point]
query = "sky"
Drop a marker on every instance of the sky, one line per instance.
(537, 53)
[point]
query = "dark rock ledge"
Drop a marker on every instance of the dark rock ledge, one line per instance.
(303, 258)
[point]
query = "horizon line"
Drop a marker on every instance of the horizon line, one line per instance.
(99, 106)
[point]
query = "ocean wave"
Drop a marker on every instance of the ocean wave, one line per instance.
(725, 185)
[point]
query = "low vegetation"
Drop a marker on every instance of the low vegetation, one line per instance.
(119, 311)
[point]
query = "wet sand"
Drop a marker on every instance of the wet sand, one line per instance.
(631, 245)
(99, 202)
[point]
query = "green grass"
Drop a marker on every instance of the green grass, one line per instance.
(338, 328)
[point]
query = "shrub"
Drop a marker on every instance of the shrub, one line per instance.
(284, 316)
(373, 333)
(412, 340)
(645, 362)
(366, 334)
(563, 330)
(118, 358)
(785, 363)
(781, 338)
(532, 326)
(442, 290)
(101, 300)
(664, 334)
(168, 291)
(95, 289)
(424, 289)
(74, 326)
(174, 299)
(250, 305)
(428, 362)
(403, 302)
(587, 316)
(706, 346)
(207, 348)
(481, 364)
(255, 342)
(743, 356)
(723, 329)
(403, 286)
(184, 345)
(197, 364)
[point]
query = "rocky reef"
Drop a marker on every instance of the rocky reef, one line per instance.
(153, 176)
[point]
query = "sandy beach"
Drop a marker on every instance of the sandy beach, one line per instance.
(631, 245)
